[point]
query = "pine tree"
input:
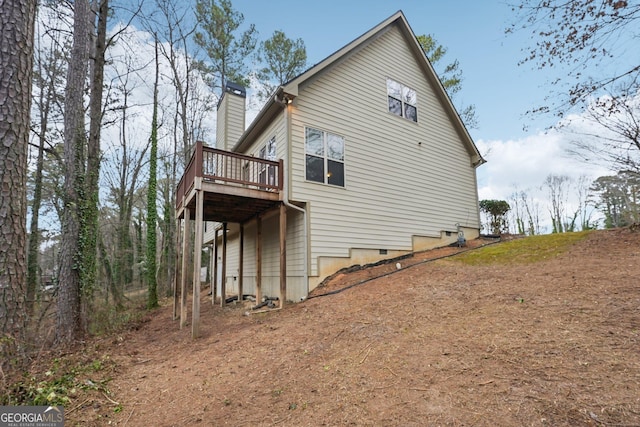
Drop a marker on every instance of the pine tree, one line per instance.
(16, 65)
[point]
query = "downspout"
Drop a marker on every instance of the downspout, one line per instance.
(285, 187)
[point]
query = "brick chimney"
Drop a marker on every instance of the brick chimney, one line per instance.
(230, 117)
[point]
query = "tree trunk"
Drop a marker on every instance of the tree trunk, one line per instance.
(152, 209)
(70, 325)
(34, 236)
(47, 76)
(111, 287)
(124, 246)
(169, 240)
(89, 231)
(16, 68)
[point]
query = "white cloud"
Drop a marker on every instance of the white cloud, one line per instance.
(524, 164)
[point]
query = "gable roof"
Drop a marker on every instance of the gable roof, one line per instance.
(290, 89)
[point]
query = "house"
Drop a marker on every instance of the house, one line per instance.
(360, 158)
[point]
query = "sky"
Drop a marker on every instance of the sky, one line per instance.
(472, 31)
(520, 150)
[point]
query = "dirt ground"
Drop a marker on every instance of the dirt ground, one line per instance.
(553, 343)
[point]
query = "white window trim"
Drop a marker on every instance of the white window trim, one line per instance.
(402, 102)
(325, 158)
(263, 153)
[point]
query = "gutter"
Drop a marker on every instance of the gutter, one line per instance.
(278, 98)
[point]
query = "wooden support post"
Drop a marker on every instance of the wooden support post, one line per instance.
(177, 270)
(197, 264)
(283, 254)
(241, 268)
(214, 290)
(212, 279)
(258, 259)
(186, 234)
(223, 285)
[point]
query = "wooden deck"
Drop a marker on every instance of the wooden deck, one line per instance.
(223, 187)
(235, 187)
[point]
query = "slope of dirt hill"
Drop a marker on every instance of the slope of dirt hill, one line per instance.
(550, 343)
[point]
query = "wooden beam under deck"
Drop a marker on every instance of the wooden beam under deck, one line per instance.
(237, 206)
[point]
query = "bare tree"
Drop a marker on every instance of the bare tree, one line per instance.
(583, 38)
(174, 27)
(526, 211)
(123, 167)
(16, 68)
(577, 35)
(557, 187)
(175, 24)
(586, 204)
(49, 67)
(608, 132)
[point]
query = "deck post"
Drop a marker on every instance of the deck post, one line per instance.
(186, 234)
(223, 285)
(283, 254)
(258, 259)
(210, 268)
(214, 286)
(198, 158)
(197, 264)
(241, 268)
(177, 270)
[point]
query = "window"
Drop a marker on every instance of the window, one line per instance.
(324, 157)
(267, 173)
(402, 100)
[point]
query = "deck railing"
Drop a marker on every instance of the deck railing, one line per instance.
(230, 168)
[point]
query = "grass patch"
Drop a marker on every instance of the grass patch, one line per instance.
(523, 251)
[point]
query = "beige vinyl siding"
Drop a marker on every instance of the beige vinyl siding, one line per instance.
(296, 286)
(401, 178)
(233, 261)
(221, 128)
(207, 236)
(230, 121)
(276, 128)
